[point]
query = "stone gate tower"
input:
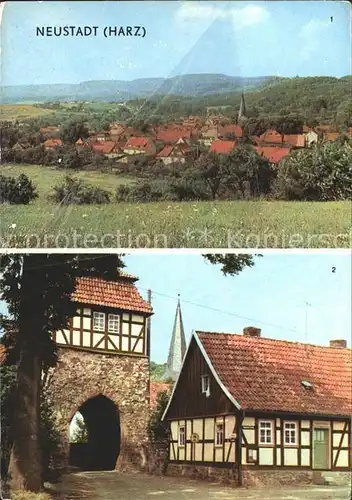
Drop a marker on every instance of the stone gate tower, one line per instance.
(103, 372)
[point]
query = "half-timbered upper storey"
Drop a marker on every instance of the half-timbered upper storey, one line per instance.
(253, 401)
(111, 316)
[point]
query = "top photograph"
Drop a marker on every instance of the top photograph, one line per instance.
(196, 124)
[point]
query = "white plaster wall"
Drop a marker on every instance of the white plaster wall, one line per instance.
(266, 456)
(290, 456)
(305, 457)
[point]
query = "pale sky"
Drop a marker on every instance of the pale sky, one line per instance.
(272, 296)
(285, 38)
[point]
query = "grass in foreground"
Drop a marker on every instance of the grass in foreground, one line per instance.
(222, 224)
(240, 224)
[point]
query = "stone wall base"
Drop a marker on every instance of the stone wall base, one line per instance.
(258, 478)
(223, 475)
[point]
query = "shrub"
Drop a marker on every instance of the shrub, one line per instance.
(320, 173)
(18, 191)
(158, 431)
(75, 191)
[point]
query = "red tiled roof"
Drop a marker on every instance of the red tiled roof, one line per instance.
(222, 147)
(272, 153)
(121, 294)
(297, 140)
(155, 389)
(265, 375)
(165, 152)
(331, 136)
(105, 147)
(52, 143)
(142, 143)
(271, 136)
(172, 135)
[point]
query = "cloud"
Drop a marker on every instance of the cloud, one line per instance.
(241, 17)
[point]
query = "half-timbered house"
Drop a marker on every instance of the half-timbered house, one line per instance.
(103, 373)
(248, 407)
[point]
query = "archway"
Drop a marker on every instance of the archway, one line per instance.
(100, 446)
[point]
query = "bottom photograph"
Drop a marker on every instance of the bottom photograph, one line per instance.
(176, 375)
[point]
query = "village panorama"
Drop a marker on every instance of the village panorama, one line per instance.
(234, 408)
(203, 160)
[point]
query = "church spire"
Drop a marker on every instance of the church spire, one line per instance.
(242, 112)
(177, 346)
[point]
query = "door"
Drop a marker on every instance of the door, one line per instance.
(321, 449)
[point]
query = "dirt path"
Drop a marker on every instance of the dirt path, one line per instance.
(117, 486)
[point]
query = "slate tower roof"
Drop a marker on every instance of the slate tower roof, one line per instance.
(177, 346)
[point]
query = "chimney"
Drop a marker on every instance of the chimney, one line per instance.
(251, 331)
(338, 343)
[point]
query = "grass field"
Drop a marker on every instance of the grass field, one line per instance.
(10, 112)
(222, 224)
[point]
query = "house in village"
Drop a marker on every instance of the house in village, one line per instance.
(311, 137)
(260, 410)
(273, 154)
(225, 131)
(222, 147)
(294, 140)
(271, 136)
(110, 149)
(139, 146)
(171, 135)
(208, 134)
(52, 144)
(177, 153)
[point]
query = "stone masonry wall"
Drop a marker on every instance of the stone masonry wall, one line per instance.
(82, 375)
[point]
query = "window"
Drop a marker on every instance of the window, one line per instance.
(99, 321)
(290, 432)
(219, 434)
(181, 435)
(265, 432)
(113, 323)
(206, 384)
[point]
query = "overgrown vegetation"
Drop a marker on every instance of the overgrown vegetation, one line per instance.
(318, 174)
(76, 191)
(158, 431)
(18, 191)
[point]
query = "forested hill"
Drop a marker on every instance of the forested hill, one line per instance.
(121, 91)
(322, 99)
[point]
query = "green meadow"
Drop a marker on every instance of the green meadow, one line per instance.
(219, 224)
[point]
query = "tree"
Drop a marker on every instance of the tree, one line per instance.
(37, 289)
(73, 131)
(231, 264)
(208, 169)
(321, 173)
(80, 434)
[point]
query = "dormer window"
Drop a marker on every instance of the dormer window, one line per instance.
(99, 321)
(205, 385)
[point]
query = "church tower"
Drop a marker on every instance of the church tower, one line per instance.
(242, 112)
(177, 348)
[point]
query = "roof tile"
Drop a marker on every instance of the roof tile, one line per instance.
(265, 375)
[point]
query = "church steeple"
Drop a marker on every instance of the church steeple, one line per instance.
(242, 112)
(177, 346)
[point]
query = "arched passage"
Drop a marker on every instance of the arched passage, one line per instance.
(102, 446)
